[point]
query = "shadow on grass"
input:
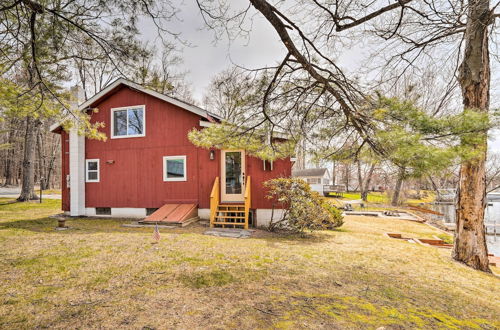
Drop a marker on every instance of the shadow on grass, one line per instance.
(9, 202)
(103, 225)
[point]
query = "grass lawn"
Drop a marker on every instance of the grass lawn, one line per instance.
(373, 197)
(52, 192)
(382, 198)
(99, 274)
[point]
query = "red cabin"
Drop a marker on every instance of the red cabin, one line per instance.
(148, 169)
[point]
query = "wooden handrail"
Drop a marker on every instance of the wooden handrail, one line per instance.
(248, 200)
(214, 201)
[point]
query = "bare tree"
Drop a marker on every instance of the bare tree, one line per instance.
(493, 172)
(42, 39)
(309, 30)
(231, 94)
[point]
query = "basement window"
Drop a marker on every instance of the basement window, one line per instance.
(103, 210)
(174, 168)
(92, 170)
(128, 122)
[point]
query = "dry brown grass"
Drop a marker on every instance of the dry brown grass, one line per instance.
(102, 275)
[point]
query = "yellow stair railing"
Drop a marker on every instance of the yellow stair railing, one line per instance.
(214, 201)
(219, 214)
(248, 200)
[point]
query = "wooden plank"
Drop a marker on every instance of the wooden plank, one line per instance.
(230, 223)
(161, 213)
(231, 211)
(182, 213)
(230, 217)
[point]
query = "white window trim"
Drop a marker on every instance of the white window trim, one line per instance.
(113, 136)
(87, 161)
(165, 158)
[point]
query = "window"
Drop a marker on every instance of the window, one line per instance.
(92, 170)
(174, 168)
(313, 180)
(102, 211)
(128, 122)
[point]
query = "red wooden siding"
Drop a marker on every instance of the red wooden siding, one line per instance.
(255, 168)
(131, 169)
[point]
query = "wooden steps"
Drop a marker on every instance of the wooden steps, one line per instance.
(180, 214)
(230, 215)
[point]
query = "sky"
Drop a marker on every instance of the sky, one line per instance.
(204, 57)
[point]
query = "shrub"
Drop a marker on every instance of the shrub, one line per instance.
(303, 209)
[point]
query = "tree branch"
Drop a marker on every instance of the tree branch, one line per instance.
(368, 17)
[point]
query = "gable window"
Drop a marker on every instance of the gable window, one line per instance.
(92, 170)
(174, 168)
(128, 122)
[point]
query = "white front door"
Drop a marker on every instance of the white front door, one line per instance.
(232, 175)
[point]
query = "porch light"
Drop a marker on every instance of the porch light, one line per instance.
(110, 162)
(212, 154)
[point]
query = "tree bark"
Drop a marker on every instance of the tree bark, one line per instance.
(474, 78)
(366, 188)
(9, 162)
(397, 189)
(28, 166)
(360, 178)
(41, 159)
(334, 173)
(347, 175)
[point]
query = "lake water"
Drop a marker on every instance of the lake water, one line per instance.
(491, 218)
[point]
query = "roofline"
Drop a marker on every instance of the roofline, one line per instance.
(53, 127)
(189, 107)
(306, 169)
(122, 81)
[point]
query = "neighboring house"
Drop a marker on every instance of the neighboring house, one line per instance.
(316, 177)
(149, 169)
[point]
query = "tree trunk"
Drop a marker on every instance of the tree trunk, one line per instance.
(397, 189)
(47, 184)
(9, 162)
(28, 167)
(41, 159)
(434, 186)
(347, 174)
(366, 188)
(334, 172)
(470, 242)
(360, 179)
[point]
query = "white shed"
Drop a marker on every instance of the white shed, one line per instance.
(316, 177)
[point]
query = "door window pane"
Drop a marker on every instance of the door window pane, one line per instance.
(233, 172)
